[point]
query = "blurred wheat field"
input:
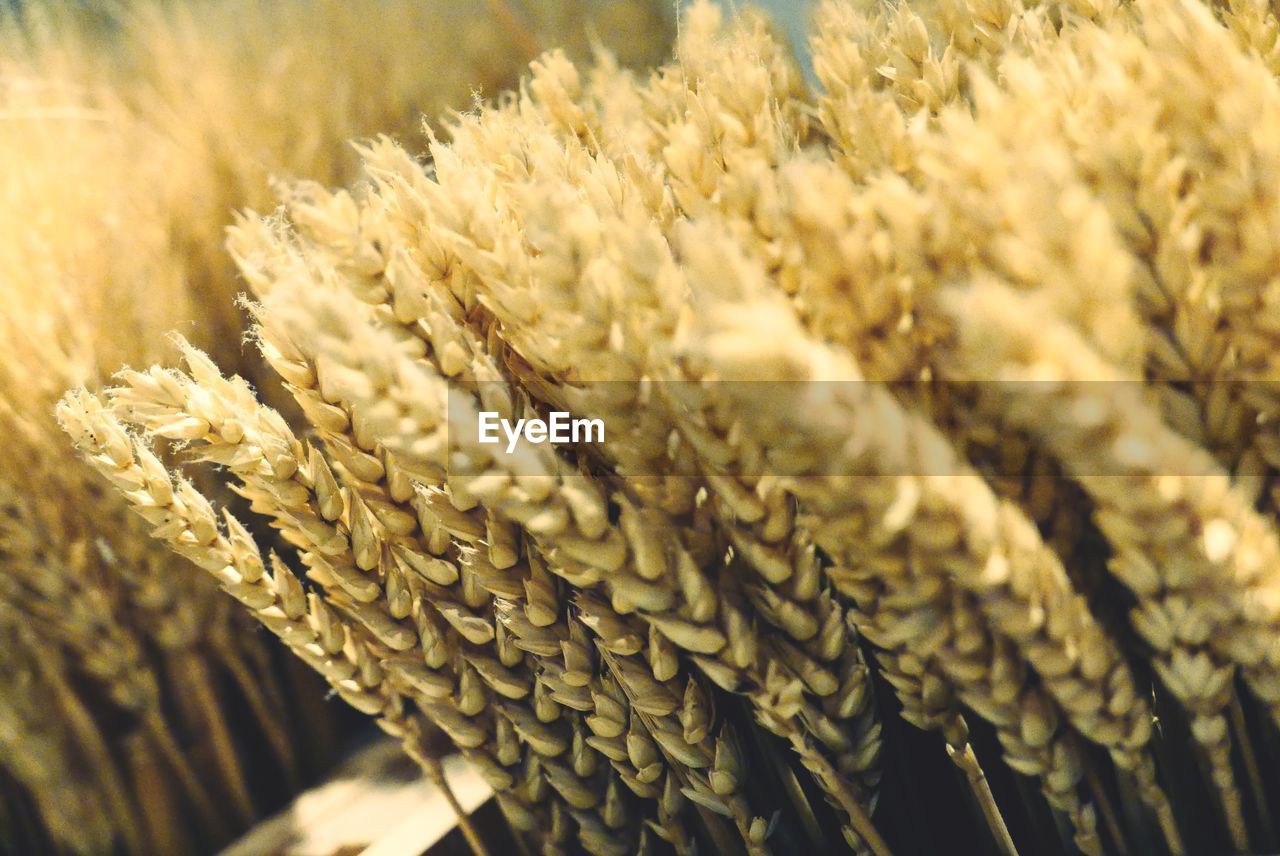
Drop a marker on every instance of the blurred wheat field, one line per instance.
(934, 508)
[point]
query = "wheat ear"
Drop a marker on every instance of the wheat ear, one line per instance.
(344, 386)
(343, 234)
(537, 494)
(187, 522)
(842, 538)
(1194, 572)
(382, 543)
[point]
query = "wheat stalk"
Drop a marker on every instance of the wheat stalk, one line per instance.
(45, 749)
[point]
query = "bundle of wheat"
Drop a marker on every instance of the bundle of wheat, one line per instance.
(938, 391)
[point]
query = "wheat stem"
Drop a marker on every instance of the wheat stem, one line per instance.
(967, 761)
(180, 766)
(435, 772)
(526, 42)
(195, 677)
(269, 718)
(1254, 773)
